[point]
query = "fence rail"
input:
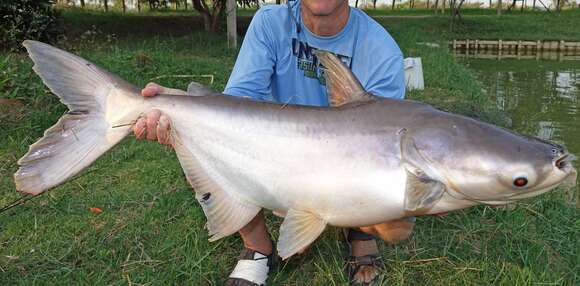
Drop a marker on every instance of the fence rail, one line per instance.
(526, 55)
(517, 46)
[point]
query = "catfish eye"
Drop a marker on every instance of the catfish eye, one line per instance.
(520, 182)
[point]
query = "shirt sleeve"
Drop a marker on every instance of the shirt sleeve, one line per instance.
(252, 73)
(388, 78)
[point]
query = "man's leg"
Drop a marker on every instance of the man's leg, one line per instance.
(392, 231)
(258, 256)
(364, 246)
(255, 235)
(364, 261)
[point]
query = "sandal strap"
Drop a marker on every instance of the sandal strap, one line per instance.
(354, 234)
(253, 267)
(251, 270)
(371, 260)
(354, 263)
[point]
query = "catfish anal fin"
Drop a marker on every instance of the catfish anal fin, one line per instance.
(225, 213)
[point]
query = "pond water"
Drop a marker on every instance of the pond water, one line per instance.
(541, 97)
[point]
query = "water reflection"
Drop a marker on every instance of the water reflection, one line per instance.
(540, 96)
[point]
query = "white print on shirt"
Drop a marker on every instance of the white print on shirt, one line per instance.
(308, 62)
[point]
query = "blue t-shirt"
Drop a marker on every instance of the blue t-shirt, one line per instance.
(276, 61)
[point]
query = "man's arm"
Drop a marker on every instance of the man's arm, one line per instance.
(388, 78)
(379, 63)
(251, 77)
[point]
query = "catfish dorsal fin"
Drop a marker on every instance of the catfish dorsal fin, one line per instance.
(341, 84)
(197, 89)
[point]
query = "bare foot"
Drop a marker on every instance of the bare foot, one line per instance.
(365, 275)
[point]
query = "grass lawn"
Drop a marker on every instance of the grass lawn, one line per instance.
(151, 230)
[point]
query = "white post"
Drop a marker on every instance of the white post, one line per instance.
(231, 24)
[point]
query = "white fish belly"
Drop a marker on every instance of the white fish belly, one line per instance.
(277, 168)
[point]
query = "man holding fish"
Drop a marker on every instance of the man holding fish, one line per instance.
(277, 63)
(366, 161)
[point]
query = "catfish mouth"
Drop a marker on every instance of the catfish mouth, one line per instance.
(517, 197)
(564, 162)
(567, 180)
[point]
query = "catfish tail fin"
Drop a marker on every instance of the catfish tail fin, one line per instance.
(97, 102)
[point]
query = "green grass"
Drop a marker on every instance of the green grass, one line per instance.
(152, 229)
(515, 26)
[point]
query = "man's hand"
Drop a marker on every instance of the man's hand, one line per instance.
(154, 125)
(152, 89)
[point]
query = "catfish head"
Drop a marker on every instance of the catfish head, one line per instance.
(453, 162)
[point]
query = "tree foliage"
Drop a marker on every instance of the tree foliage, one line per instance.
(157, 4)
(27, 19)
(210, 10)
(249, 3)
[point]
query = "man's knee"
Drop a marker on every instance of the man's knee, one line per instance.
(392, 231)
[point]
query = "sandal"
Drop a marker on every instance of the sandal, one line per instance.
(355, 263)
(252, 268)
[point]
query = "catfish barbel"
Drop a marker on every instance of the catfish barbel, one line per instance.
(363, 161)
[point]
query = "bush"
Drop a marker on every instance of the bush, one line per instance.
(27, 19)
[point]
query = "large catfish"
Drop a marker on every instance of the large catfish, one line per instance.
(363, 161)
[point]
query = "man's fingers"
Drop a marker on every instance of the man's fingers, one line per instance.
(152, 121)
(151, 128)
(151, 89)
(140, 128)
(154, 126)
(164, 130)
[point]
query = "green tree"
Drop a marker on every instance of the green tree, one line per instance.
(210, 10)
(27, 19)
